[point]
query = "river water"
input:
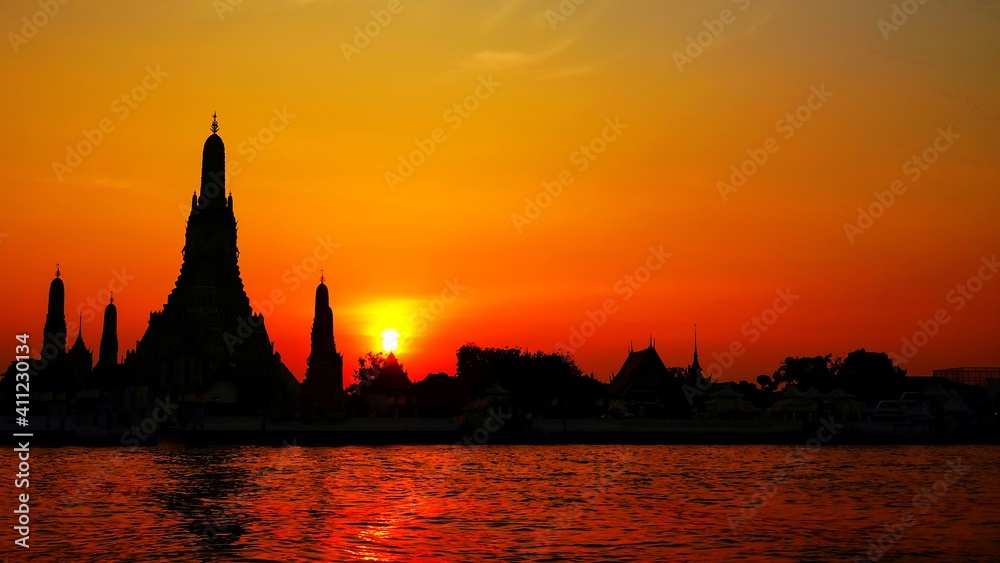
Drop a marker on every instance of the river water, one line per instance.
(519, 503)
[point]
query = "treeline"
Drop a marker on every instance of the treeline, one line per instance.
(870, 376)
(552, 385)
(543, 384)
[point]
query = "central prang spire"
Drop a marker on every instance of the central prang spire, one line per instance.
(213, 169)
(207, 336)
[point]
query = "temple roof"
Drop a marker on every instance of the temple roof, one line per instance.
(642, 368)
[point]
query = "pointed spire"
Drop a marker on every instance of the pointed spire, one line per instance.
(112, 298)
(57, 270)
(79, 333)
(213, 169)
(322, 276)
(695, 366)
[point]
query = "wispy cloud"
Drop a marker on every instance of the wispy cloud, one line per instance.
(496, 59)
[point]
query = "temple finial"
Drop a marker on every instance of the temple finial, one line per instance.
(322, 276)
(215, 122)
(57, 270)
(112, 298)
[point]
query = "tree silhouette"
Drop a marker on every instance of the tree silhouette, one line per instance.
(548, 384)
(871, 375)
(369, 367)
(806, 372)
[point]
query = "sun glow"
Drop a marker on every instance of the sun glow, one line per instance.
(390, 339)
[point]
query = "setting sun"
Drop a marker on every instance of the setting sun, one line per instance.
(390, 339)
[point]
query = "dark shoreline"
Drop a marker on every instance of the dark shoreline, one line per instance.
(318, 437)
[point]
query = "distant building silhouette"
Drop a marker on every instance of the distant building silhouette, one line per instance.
(390, 393)
(646, 387)
(641, 383)
(976, 376)
(695, 368)
(109, 379)
(80, 357)
(323, 387)
(207, 344)
(54, 333)
(108, 354)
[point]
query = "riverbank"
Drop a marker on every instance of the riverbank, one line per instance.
(417, 431)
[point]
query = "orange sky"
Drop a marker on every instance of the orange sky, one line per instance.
(315, 115)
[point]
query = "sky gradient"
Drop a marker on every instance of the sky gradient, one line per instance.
(501, 173)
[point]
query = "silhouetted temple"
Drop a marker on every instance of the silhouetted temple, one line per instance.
(642, 380)
(645, 386)
(207, 345)
(54, 333)
(109, 338)
(108, 375)
(323, 387)
(390, 391)
(694, 370)
(61, 372)
(80, 357)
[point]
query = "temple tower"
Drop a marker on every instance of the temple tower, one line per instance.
(323, 387)
(109, 337)
(54, 333)
(207, 344)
